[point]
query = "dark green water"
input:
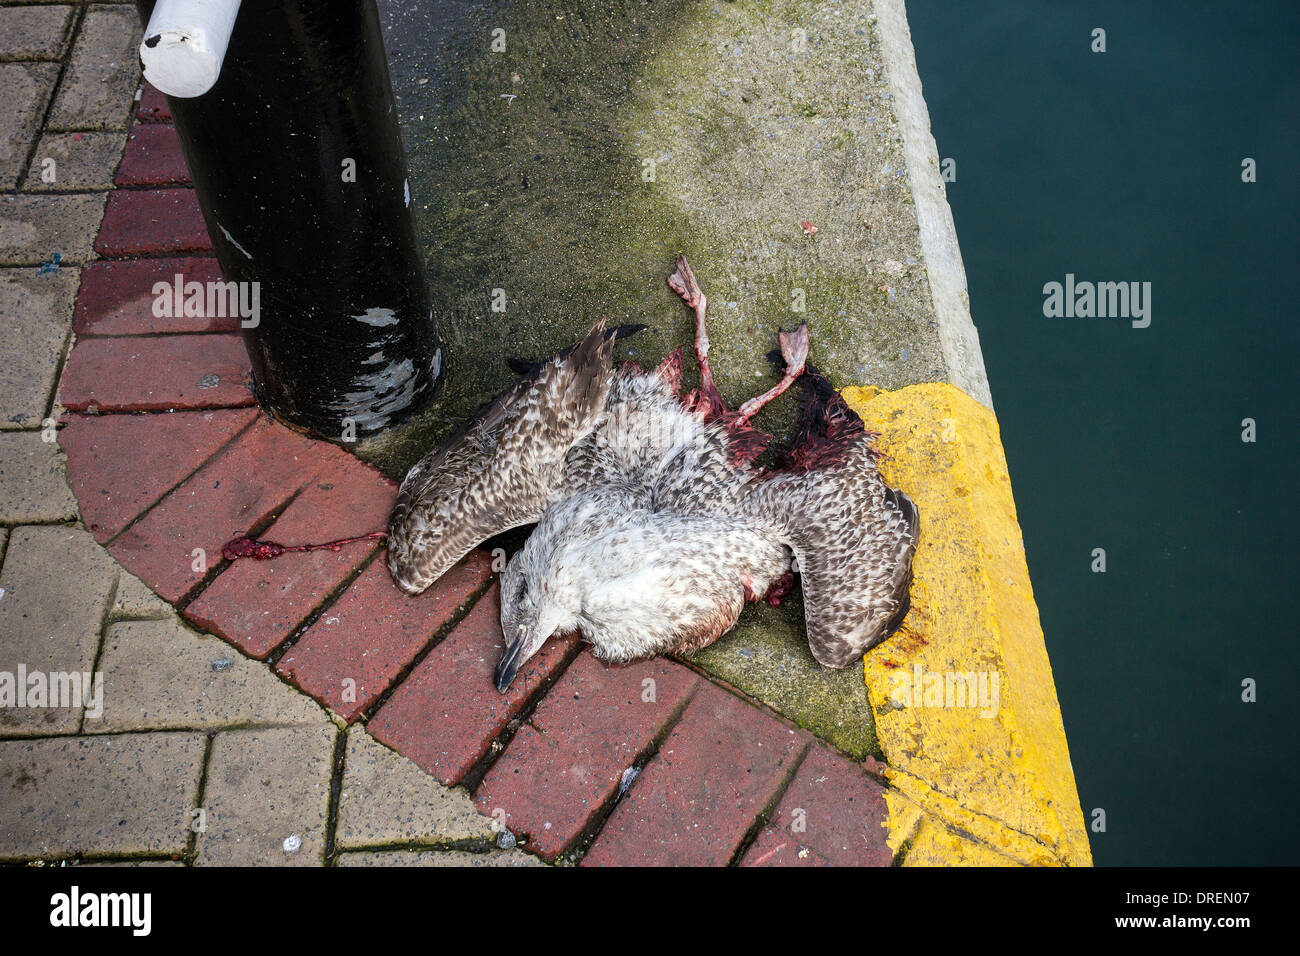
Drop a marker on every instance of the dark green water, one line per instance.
(1126, 166)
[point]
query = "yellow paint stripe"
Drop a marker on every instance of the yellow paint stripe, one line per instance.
(988, 778)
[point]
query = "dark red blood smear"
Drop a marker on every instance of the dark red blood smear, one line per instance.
(237, 548)
(244, 547)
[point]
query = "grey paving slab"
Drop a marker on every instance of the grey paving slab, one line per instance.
(101, 77)
(34, 33)
(33, 228)
(132, 863)
(124, 794)
(134, 600)
(73, 162)
(25, 89)
(437, 858)
(57, 584)
(162, 674)
(32, 483)
(265, 787)
(36, 314)
(387, 799)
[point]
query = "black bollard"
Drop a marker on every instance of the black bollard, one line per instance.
(297, 161)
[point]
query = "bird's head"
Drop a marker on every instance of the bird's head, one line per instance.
(539, 599)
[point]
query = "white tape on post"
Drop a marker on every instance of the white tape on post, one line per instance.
(185, 43)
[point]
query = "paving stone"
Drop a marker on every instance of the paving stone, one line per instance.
(34, 33)
(563, 767)
(447, 712)
(33, 228)
(153, 158)
(36, 312)
(153, 105)
(100, 79)
(239, 489)
(119, 465)
(117, 297)
(25, 90)
(135, 601)
(161, 675)
(32, 486)
(133, 863)
(830, 815)
(263, 787)
(437, 858)
(152, 222)
(147, 373)
(126, 793)
(371, 634)
(256, 605)
(57, 585)
(82, 161)
(695, 801)
(386, 799)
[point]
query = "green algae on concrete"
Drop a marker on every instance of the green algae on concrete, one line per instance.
(570, 169)
(562, 174)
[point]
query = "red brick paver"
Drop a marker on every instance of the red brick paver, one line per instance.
(256, 605)
(154, 107)
(447, 712)
(118, 465)
(361, 644)
(561, 770)
(238, 490)
(153, 158)
(695, 801)
(152, 222)
(117, 297)
(157, 373)
(832, 814)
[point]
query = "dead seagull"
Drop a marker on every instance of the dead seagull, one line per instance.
(654, 528)
(637, 577)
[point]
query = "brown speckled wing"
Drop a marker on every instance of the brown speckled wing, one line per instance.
(503, 469)
(853, 539)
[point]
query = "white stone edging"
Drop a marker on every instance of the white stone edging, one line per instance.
(958, 337)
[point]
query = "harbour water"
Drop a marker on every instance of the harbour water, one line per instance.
(1126, 166)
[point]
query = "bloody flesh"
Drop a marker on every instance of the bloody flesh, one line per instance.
(245, 547)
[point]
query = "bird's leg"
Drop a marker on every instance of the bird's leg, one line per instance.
(683, 283)
(794, 350)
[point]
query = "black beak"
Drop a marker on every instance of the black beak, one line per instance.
(509, 665)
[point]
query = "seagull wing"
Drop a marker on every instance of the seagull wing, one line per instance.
(503, 469)
(853, 539)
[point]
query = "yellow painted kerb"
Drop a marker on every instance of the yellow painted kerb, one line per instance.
(964, 702)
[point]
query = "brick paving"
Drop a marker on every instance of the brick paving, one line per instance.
(301, 711)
